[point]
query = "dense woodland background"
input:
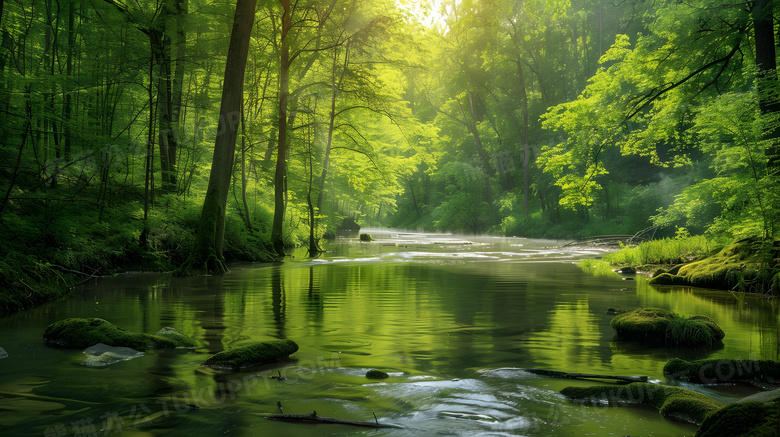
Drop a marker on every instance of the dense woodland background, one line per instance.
(533, 118)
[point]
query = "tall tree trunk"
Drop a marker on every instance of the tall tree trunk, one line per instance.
(68, 104)
(247, 220)
(177, 87)
(526, 149)
(160, 42)
(334, 91)
(207, 255)
(281, 150)
(767, 67)
(472, 126)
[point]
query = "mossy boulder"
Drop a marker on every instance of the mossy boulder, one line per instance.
(668, 279)
(745, 265)
(179, 339)
(376, 374)
(723, 371)
(79, 333)
(660, 326)
(252, 355)
(743, 419)
(669, 401)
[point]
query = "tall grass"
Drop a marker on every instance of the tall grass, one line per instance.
(666, 251)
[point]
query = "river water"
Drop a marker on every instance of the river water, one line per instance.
(453, 320)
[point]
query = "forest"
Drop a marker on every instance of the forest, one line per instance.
(183, 134)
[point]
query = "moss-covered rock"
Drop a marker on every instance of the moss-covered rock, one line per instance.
(670, 401)
(178, 339)
(253, 355)
(82, 333)
(668, 279)
(376, 374)
(745, 265)
(643, 323)
(660, 326)
(743, 419)
(723, 371)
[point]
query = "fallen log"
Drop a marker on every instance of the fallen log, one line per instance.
(569, 375)
(314, 418)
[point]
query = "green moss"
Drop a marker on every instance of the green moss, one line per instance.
(668, 279)
(722, 371)
(253, 355)
(656, 325)
(178, 339)
(376, 374)
(739, 266)
(659, 271)
(743, 419)
(643, 323)
(670, 401)
(82, 333)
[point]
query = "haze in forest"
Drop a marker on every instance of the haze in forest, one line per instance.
(552, 118)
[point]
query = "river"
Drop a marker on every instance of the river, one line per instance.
(453, 320)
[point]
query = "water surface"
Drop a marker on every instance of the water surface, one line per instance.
(453, 320)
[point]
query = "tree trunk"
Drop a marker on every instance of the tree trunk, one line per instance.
(767, 67)
(68, 134)
(207, 255)
(334, 92)
(526, 149)
(281, 150)
(247, 220)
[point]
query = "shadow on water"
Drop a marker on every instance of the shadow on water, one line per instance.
(452, 319)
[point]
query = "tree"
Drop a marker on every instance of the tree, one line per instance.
(207, 255)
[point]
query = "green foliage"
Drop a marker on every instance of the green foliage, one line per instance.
(665, 251)
(597, 267)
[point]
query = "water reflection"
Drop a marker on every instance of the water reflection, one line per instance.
(452, 319)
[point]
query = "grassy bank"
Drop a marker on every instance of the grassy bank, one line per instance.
(749, 265)
(42, 258)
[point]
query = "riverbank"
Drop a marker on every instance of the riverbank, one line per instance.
(749, 265)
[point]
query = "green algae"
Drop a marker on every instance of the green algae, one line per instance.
(252, 355)
(670, 401)
(80, 333)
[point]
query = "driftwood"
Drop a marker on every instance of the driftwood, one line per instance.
(568, 375)
(314, 418)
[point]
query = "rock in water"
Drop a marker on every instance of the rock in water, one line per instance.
(179, 339)
(101, 355)
(660, 326)
(3, 353)
(376, 374)
(253, 355)
(81, 333)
